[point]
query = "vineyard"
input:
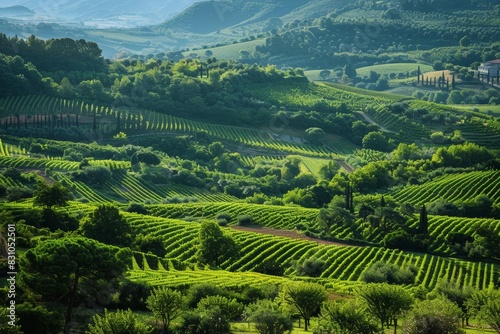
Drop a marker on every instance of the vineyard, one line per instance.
(286, 167)
(41, 111)
(344, 263)
(453, 187)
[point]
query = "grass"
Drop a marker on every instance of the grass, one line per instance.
(231, 51)
(386, 69)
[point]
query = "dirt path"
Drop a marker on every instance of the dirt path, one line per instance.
(371, 121)
(288, 234)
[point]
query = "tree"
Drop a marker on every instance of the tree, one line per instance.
(386, 302)
(268, 317)
(350, 71)
(166, 304)
(148, 158)
(214, 246)
(51, 195)
(199, 291)
(346, 317)
(465, 42)
(55, 267)
(338, 216)
(434, 316)
(423, 224)
(381, 272)
(231, 308)
(375, 141)
(119, 322)
(312, 267)
(315, 135)
(107, 225)
(306, 298)
(212, 321)
(458, 295)
(324, 74)
(485, 306)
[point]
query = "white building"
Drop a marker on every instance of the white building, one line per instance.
(489, 72)
(490, 68)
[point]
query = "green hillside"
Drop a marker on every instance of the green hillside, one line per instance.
(304, 178)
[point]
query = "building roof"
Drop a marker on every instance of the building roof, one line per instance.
(496, 61)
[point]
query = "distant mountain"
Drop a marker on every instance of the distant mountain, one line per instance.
(15, 11)
(90, 10)
(209, 16)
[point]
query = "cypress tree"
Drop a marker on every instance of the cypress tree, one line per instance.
(423, 224)
(453, 81)
(118, 121)
(61, 120)
(418, 75)
(382, 202)
(94, 122)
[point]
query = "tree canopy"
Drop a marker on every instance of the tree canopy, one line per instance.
(54, 268)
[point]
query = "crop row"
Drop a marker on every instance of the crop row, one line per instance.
(155, 122)
(400, 124)
(342, 262)
(264, 215)
(24, 162)
(124, 187)
(454, 187)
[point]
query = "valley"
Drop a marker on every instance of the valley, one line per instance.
(250, 167)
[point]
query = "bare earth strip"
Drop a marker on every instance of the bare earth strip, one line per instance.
(289, 234)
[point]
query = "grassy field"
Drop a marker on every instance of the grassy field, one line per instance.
(386, 69)
(231, 51)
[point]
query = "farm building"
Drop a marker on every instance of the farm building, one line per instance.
(489, 71)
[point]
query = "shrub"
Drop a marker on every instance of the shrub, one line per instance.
(245, 220)
(312, 267)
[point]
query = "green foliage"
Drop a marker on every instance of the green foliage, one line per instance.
(202, 290)
(150, 244)
(305, 298)
(270, 267)
(376, 141)
(37, 319)
(146, 157)
(49, 196)
(107, 225)
(464, 155)
(245, 220)
(133, 295)
(345, 316)
(119, 322)
(386, 302)
(231, 308)
(315, 135)
(312, 267)
(94, 175)
(214, 246)
(268, 317)
(434, 316)
(55, 267)
(166, 305)
(381, 272)
(212, 321)
(485, 306)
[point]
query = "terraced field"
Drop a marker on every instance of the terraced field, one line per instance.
(453, 187)
(344, 263)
